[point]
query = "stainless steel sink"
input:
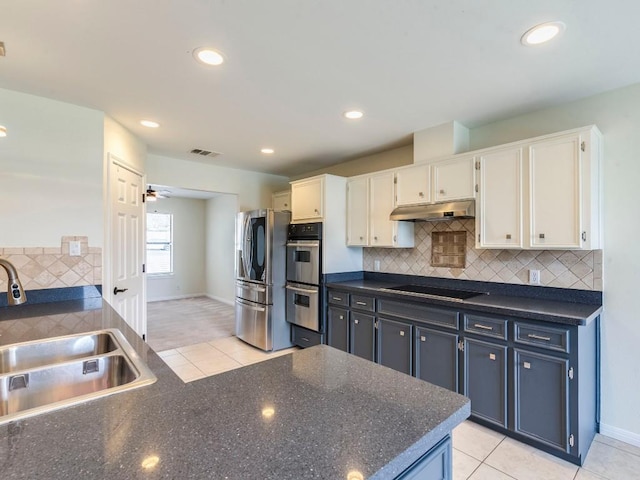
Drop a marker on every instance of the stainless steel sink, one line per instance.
(43, 375)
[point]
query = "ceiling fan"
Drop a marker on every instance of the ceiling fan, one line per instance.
(153, 195)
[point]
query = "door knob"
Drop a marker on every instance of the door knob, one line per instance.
(117, 290)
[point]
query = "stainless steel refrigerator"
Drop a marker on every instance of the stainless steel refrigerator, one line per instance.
(261, 238)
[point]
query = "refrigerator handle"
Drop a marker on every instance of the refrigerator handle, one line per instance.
(246, 247)
(249, 305)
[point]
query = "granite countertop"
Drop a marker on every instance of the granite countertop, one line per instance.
(316, 413)
(532, 308)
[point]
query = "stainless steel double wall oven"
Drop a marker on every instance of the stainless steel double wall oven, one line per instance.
(261, 237)
(304, 275)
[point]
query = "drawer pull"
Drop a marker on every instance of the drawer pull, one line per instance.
(527, 365)
(482, 327)
(492, 356)
(361, 303)
(339, 299)
(508, 236)
(341, 317)
(304, 339)
(423, 338)
(402, 333)
(539, 337)
(356, 321)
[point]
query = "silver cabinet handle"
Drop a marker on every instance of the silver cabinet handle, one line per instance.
(341, 317)
(361, 238)
(302, 290)
(482, 327)
(423, 338)
(441, 192)
(508, 236)
(541, 235)
(375, 238)
(304, 339)
(356, 321)
(539, 337)
(492, 356)
(402, 333)
(339, 299)
(526, 365)
(361, 303)
(420, 194)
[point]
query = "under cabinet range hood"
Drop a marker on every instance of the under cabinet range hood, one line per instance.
(435, 212)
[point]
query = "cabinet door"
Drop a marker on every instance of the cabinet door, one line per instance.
(485, 380)
(281, 201)
(395, 345)
(437, 357)
(454, 179)
(541, 398)
(357, 210)
(499, 219)
(363, 335)
(413, 185)
(338, 328)
(307, 199)
(555, 183)
(381, 203)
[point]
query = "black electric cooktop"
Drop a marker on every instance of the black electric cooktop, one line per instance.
(435, 292)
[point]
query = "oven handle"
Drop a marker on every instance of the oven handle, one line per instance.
(302, 290)
(303, 244)
(249, 306)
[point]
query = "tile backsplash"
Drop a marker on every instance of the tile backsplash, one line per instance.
(577, 269)
(53, 267)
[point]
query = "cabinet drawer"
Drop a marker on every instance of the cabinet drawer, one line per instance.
(363, 303)
(305, 338)
(486, 326)
(338, 298)
(419, 313)
(552, 338)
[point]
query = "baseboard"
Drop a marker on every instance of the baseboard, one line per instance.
(220, 299)
(620, 434)
(178, 297)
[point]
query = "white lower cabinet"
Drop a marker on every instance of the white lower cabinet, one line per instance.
(370, 201)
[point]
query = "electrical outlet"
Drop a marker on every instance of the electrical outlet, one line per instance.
(534, 277)
(75, 249)
(376, 265)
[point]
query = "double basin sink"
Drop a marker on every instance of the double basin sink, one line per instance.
(43, 375)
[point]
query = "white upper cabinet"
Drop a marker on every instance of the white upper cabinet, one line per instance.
(307, 200)
(453, 179)
(370, 201)
(541, 194)
(413, 185)
(357, 212)
(281, 201)
(499, 202)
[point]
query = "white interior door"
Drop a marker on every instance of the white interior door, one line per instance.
(125, 288)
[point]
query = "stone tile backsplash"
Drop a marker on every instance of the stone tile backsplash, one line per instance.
(558, 268)
(53, 267)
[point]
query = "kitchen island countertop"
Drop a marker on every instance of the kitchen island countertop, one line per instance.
(316, 413)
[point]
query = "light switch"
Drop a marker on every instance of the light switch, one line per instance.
(74, 248)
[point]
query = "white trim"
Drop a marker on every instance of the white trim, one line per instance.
(177, 297)
(620, 434)
(221, 300)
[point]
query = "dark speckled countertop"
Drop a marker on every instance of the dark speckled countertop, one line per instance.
(532, 308)
(316, 413)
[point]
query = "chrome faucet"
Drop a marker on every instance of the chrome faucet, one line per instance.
(15, 292)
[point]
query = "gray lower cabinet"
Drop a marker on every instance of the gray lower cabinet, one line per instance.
(395, 345)
(542, 398)
(485, 380)
(363, 335)
(436, 464)
(338, 328)
(436, 354)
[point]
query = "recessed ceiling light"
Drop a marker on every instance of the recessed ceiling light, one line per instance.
(149, 123)
(267, 151)
(353, 114)
(3, 131)
(542, 33)
(208, 56)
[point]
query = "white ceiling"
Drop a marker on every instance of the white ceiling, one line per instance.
(294, 66)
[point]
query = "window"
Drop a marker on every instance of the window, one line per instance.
(159, 243)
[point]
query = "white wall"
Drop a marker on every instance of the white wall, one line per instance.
(617, 114)
(50, 171)
(253, 189)
(189, 250)
(221, 217)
